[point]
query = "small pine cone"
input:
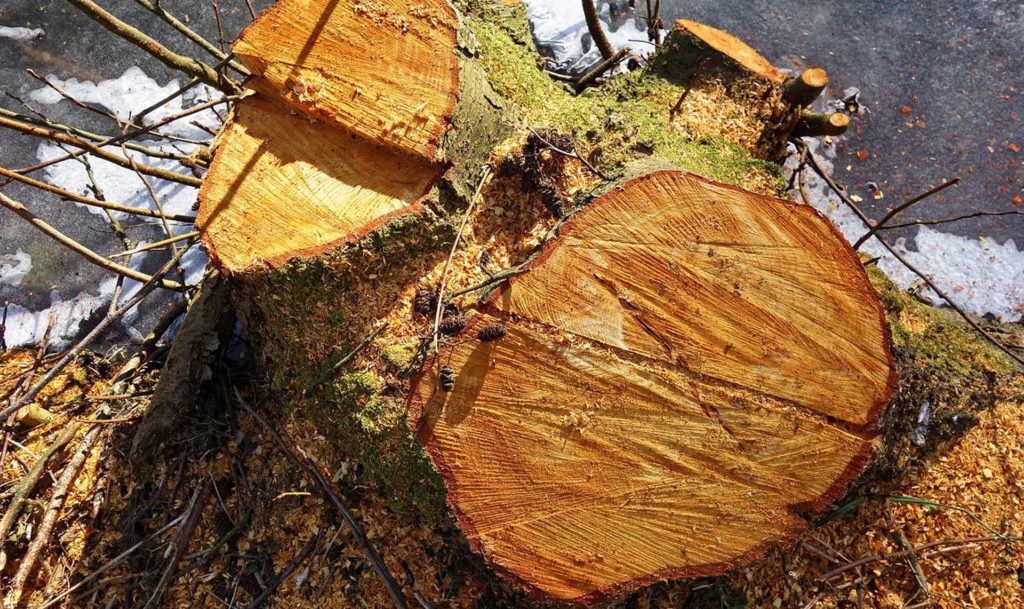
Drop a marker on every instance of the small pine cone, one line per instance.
(425, 300)
(492, 332)
(450, 326)
(450, 310)
(447, 378)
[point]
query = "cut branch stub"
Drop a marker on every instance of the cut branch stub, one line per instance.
(281, 186)
(686, 369)
(726, 45)
(385, 70)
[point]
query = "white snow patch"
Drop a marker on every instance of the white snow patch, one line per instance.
(560, 26)
(125, 96)
(14, 267)
(21, 34)
(980, 275)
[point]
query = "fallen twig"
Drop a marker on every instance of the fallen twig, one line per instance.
(28, 483)
(113, 562)
(333, 370)
(80, 249)
(276, 581)
(916, 549)
(313, 472)
(572, 155)
(689, 85)
(195, 512)
(53, 509)
(68, 195)
(885, 219)
(188, 65)
(588, 78)
(931, 284)
(977, 214)
(96, 150)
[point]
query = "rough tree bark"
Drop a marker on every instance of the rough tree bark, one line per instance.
(676, 374)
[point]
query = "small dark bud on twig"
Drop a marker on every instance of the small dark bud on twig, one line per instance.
(452, 325)
(492, 332)
(447, 378)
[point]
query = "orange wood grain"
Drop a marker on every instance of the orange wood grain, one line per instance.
(688, 367)
(282, 185)
(383, 69)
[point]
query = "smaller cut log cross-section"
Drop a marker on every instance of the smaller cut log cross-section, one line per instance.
(383, 69)
(687, 368)
(282, 185)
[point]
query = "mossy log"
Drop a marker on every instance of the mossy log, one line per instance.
(683, 370)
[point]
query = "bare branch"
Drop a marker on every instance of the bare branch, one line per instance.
(80, 249)
(188, 65)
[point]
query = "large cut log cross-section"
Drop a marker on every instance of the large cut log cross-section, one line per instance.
(688, 368)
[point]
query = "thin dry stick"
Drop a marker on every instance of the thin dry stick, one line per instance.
(156, 244)
(42, 536)
(113, 562)
(43, 121)
(96, 150)
(28, 483)
(311, 470)
(206, 45)
(572, 155)
(916, 549)
(188, 65)
(874, 229)
(600, 69)
(596, 31)
(70, 98)
(977, 214)
(156, 201)
(333, 370)
(99, 329)
(867, 222)
(294, 564)
(448, 263)
(67, 194)
(195, 512)
(134, 133)
(689, 86)
(80, 249)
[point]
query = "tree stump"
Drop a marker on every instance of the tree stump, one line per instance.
(677, 371)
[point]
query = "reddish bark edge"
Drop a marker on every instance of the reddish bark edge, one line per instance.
(433, 143)
(416, 411)
(309, 252)
(864, 284)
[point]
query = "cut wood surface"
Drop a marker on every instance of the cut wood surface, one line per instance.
(282, 185)
(383, 69)
(732, 48)
(688, 367)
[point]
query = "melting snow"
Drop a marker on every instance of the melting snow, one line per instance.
(21, 34)
(124, 96)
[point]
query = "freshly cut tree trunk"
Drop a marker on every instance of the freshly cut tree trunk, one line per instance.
(684, 368)
(688, 367)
